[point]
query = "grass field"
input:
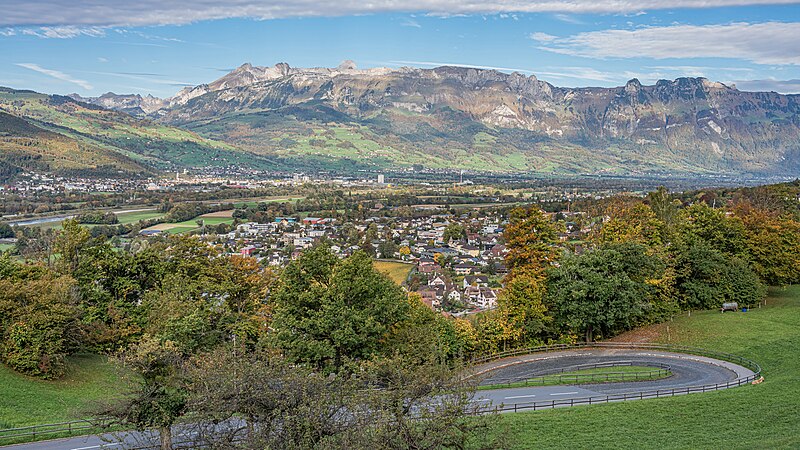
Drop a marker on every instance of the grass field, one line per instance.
(596, 375)
(27, 401)
(762, 416)
(209, 219)
(133, 217)
(397, 271)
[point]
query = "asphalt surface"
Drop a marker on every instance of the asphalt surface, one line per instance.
(687, 371)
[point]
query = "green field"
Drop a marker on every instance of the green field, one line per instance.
(596, 375)
(133, 217)
(397, 271)
(27, 401)
(762, 416)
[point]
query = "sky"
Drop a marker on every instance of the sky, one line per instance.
(157, 47)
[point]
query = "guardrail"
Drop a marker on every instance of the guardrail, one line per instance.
(638, 395)
(33, 432)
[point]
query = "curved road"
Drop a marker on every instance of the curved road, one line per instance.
(687, 371)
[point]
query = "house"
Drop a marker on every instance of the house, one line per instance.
(429, 297)
(464, 268)
(482, 297)
(248, 251)
(476, 280)
(453, 296)
(438, 280)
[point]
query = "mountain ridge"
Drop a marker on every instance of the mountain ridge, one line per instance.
(485, 119)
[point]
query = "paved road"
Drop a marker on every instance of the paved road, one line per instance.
(687, 370)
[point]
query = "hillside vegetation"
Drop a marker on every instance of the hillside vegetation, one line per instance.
(63, 136)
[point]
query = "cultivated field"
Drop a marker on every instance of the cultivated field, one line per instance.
(397, 271)
(209, 219)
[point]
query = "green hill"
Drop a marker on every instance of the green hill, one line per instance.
(59, 135)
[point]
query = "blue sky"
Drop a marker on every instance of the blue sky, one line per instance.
(159, 46)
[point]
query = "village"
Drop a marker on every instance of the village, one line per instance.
(455, 263)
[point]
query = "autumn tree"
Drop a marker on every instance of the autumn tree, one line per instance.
(772, 245)
(522, 310)
(530, 238)
(38, 319)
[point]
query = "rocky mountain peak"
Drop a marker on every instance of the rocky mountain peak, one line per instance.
(633, 86)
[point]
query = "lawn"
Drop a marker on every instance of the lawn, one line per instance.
(133, 217)
(210, 219)
(27, 401)
(595, 375)
(397, 271)
(762, 416)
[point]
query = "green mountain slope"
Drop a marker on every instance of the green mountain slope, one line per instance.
(63, 136)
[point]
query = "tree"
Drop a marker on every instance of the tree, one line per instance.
(260, 400)
(160, 398)
(454, 232)
(664, 207)
(387, 249)
(522, 309)
(634, 223)
(706, 278)
(6, 231)
(38, 319)
(603, 291)
(772, 244)
(701, 223)
(329, 311)
(70, 242)
(530, 239)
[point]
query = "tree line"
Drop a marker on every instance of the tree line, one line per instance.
(644, 261)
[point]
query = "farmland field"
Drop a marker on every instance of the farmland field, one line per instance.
(209, 219)
(397, 271)
(133, 217)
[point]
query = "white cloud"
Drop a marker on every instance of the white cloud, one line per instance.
(566, 18)
(63, 32)
(161, 12)
(782, 86)
(761, 43)
(56, 74)
(542, 37)
(410, 23)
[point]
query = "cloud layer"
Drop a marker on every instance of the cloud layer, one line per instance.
(761, 43)
(161, 12)
(56, 74)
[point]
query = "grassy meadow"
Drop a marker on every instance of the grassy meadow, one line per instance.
(761, 416)
(397, 271)
(29, 401)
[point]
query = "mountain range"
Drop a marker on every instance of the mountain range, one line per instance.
(345, 118)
